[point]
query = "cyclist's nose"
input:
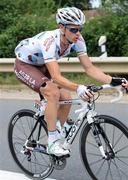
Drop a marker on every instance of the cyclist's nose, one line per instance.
(78, 33)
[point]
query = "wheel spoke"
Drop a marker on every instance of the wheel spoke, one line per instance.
(17, 138)
(119, 169)
(109, 171)
(99, 170)
(31, 162)
(123, 148)
(115, 165)
(95, 162)
(117, 141)
(122, 161)
(20, 129)
(92, 144)
(113, 136)
(94, 154)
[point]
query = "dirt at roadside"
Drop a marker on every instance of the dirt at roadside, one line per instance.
(23, 92)
(17, 92)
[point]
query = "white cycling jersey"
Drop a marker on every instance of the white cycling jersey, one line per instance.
(45, 47)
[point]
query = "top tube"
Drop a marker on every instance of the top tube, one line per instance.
(94, 88)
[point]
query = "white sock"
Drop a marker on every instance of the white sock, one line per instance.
(58, 126)
(53, 136)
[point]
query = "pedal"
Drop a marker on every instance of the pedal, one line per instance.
(67, 156)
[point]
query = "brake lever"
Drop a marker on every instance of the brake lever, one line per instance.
(94, 88)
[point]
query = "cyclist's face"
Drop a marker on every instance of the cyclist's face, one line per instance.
(72, 32)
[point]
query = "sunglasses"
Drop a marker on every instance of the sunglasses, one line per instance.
(74, 30)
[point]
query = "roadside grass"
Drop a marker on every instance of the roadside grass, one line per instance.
(80, 78)
(8, 79)
(9, 82)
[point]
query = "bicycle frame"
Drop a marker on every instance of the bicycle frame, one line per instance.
(85, 112)
(99, 139)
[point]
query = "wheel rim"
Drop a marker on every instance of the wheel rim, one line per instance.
(115, 167)
(38, 164)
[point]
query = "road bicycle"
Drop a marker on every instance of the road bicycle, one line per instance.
(103, 141)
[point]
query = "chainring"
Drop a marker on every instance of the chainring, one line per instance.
(59, 163)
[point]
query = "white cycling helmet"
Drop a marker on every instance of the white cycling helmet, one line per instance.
(70, 15)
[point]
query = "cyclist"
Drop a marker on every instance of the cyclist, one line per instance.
(36, 64)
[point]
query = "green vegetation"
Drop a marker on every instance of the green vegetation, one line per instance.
(10, 78)
(80, 78)
(116, 30)
(20, 19)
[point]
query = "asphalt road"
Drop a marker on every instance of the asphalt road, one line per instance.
(74, 169)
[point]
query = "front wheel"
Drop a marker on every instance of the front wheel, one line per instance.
(31, 160)
(99, 168)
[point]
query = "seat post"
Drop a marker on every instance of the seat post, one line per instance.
(41, 96)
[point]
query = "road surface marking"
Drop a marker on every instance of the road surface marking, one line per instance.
(8, 175)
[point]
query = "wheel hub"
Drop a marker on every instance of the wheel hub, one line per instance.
(110, 155)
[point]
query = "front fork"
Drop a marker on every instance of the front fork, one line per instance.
(107, 152)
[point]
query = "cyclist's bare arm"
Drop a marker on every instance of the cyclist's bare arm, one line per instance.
(93, 71)
(54, 70)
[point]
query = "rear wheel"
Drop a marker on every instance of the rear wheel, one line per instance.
(99, 168)
(33, 160)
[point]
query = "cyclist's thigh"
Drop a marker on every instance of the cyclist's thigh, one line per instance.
(32, 76)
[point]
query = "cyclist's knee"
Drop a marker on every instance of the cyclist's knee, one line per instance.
(65, 95)
(50, 91)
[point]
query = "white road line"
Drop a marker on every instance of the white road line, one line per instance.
(7, 175)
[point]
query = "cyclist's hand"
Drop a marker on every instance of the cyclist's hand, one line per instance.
(116, 81)
(84, 93)
(125, 85)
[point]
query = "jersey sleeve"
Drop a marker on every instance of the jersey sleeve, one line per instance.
(48, 48)
(80, 46)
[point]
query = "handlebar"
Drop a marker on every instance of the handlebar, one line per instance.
(108, 86)
(119, 90)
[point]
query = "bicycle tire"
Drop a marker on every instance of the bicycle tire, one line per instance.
(16, 142)
(119, 164)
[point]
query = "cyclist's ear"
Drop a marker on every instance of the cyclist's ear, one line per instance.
(62, 28)
(61, 25)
